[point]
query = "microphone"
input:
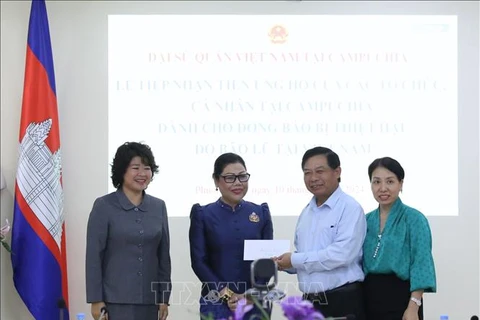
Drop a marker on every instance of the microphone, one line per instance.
(474, 318)
(103, 313)
(264, 292)
(61, 305)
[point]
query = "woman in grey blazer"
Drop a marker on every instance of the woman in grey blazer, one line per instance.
(128, 268)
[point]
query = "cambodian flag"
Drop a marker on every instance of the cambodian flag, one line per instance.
(38, 230)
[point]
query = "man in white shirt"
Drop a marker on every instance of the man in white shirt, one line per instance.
(328, 239)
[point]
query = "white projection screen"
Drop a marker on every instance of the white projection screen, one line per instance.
(268, 87)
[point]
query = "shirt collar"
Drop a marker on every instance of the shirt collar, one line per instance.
(396, 205)
(394, 209)
(224, 205)
(331, 201)
(127, 205)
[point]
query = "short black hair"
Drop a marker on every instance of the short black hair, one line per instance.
(223, 161)
(333, 160)
(389, 164)
(125, 153)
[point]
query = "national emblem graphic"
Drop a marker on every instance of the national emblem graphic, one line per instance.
(278, 34)
(41, 171)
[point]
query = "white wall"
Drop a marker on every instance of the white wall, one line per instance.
(79, 40)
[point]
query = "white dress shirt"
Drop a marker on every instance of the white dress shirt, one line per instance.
(328, 242)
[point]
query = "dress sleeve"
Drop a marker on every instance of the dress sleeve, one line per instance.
(422, 268)
(97, 235)
(199, 250)
(164, 261)
(267, 232)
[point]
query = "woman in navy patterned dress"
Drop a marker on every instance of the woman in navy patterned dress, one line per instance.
(217, 234)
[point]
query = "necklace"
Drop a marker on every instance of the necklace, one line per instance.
(378, 246)
(375, 253)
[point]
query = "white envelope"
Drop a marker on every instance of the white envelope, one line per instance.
(260, 249)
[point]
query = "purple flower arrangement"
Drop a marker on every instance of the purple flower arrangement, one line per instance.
(294, 308)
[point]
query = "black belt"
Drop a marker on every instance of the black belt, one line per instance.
(320, 296)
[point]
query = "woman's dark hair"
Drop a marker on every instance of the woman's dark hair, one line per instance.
(389, 164)
(223, 161)
(125, 153)
(333, 160)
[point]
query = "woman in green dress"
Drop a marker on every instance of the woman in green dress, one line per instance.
(397, 252)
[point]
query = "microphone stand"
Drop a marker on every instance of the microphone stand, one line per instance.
(259, 298)
(61, 306)
(264, 292)
(265, 297)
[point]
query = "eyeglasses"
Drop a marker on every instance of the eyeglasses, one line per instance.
(231, 178)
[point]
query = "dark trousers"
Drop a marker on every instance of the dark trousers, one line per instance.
(132, 311)
(340, 302)
(387, 297)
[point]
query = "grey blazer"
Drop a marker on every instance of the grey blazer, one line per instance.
(128, 251)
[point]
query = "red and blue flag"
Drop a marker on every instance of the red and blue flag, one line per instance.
(38, 229)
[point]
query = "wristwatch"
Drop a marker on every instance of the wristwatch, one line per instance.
(418, 302)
